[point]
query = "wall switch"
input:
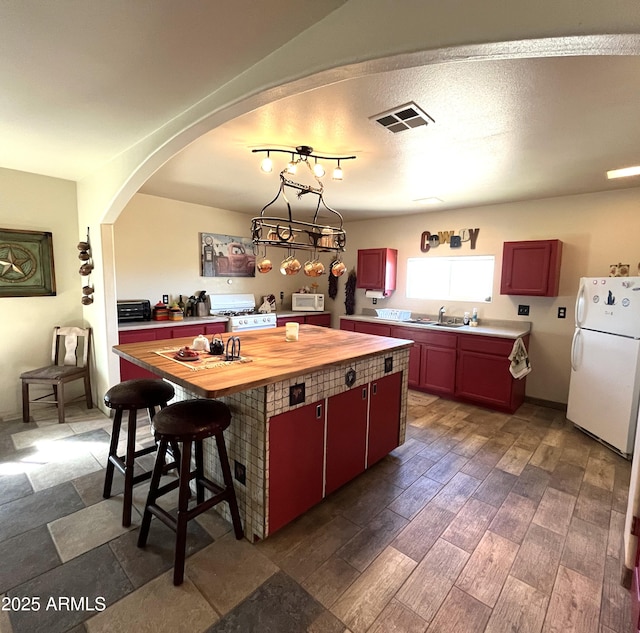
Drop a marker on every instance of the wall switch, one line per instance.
(562, 313)
(523, 310)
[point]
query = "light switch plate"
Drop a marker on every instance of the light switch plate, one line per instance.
(523, 310)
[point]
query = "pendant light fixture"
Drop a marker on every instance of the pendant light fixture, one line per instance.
(288, 232)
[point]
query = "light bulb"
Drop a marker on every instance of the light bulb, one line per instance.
(318, 170)
(266, 165)
(337, 172)
(292, 167)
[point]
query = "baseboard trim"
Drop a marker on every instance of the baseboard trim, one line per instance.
(560, 406)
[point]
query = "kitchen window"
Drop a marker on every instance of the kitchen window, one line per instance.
(451, 278)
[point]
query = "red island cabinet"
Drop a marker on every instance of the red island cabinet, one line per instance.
(384, 417)
(346, 437)
(531, 268)
(296, 460)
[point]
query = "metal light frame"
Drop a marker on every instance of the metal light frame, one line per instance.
(286, 232)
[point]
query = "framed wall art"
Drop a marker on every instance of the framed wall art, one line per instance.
(226, 256)
(26, 264)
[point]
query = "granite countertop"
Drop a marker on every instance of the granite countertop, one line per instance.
(288, 313)
(487, 327)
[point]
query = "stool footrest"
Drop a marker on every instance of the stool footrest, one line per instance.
(170, 521)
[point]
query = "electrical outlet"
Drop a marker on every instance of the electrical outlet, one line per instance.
(523, 310)
(374, 301)
(281, 297)
(165, 299)
(240, 472)
(562, 313)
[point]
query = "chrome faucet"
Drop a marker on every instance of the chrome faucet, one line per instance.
(441, 314)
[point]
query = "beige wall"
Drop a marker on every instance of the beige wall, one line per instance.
(157, 252)
(596, 230)
(147, 265)
(37, 203)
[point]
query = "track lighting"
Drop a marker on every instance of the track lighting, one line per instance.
(267, 164)
(302, 155)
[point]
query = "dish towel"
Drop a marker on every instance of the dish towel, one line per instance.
(520, 365)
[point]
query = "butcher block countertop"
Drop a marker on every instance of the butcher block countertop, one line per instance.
(269, 357)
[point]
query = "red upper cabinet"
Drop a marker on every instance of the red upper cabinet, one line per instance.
(377, 269)
(531, 268)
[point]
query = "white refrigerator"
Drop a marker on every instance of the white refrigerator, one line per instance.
(605, 360)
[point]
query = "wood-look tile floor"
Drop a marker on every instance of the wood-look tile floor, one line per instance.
(480, 522)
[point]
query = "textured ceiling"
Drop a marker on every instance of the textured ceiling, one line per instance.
(504, 130)
(84, 81)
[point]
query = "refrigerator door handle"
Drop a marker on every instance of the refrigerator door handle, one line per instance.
(574, 344)
(580, 305)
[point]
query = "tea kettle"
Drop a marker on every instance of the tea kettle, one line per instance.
(217, 346)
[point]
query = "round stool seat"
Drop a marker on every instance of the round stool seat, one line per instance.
(139, 394)
(192, 420)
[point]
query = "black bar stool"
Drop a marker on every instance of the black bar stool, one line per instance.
(187, 422)
(132, 396)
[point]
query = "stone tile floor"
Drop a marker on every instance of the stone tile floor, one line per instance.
(480, 522)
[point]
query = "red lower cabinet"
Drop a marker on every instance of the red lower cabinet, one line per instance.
(348, 325)
(483, 375)
(438, 369)
(384, 416)
(346, 437)
(129, 371)
(322, 320)
(296, 456)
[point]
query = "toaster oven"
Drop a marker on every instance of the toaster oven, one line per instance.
(134, 310)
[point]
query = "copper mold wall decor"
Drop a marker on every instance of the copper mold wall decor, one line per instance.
(26, 264)
(85, 270)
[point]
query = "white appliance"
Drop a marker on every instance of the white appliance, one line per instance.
(240, 309)
(307, 302)
(605, 360)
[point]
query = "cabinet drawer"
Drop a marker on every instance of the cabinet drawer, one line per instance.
(439, 339)
(486, 344)
(379, 329)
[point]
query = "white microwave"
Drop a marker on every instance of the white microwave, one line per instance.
(307, 302)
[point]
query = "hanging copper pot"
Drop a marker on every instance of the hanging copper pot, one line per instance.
(85, 269)
(87, 301)
(84, 256)
(87, 290)
(337, 268)
(83, 246)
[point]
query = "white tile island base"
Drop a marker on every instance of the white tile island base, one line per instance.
(257, 411)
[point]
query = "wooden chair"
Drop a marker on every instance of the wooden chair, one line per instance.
(70, 353)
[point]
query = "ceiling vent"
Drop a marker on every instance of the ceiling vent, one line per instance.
(404, 117)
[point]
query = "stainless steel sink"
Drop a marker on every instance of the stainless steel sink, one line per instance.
(446, 324)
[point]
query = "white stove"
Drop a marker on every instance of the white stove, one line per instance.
(240, 309)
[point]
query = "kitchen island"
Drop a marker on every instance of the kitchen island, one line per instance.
(308, 415)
